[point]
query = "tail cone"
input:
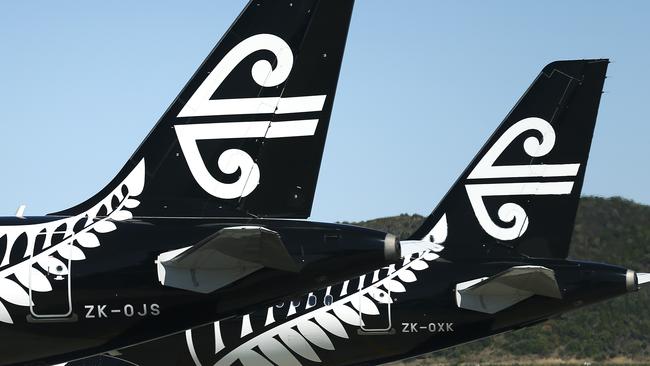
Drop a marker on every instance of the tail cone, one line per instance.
(643, 279)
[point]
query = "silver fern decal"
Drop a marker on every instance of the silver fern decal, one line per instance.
(62, 240)
(302, 338)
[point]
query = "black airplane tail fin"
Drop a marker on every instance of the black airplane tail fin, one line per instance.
(245, 136)
(519, 195)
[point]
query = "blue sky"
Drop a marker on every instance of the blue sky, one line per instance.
(423, 85)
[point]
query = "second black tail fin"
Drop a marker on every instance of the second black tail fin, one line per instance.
(520, 194)
(246, 134)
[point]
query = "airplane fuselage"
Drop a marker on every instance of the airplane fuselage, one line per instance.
(91, 290)
(358, 325)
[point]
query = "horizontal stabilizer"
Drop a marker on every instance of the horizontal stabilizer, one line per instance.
(501, 291)
(249, 243)
(220, 259)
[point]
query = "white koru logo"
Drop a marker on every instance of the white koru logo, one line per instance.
(511, 213)
(200, 105)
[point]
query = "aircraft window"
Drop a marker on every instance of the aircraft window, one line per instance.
(329, 299)
(311, 300)
(279, 305)
(295, 303)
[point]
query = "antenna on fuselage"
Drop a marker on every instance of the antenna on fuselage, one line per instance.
(20, 213)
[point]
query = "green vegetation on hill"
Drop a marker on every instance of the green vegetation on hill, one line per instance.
(613, 230)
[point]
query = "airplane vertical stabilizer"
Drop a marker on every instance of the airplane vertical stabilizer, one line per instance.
(245, 136)
(519, 195)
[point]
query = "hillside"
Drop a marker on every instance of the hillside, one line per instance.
(612, 230)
